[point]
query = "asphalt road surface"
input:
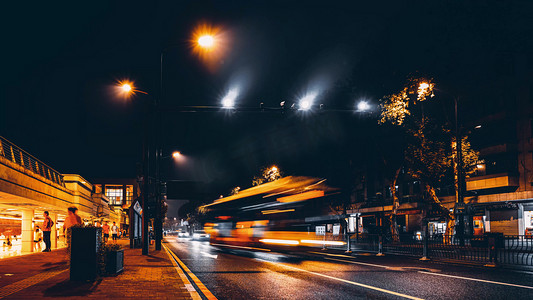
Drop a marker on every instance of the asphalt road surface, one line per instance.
(238, 274)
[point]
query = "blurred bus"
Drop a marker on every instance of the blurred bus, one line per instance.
(286, 214)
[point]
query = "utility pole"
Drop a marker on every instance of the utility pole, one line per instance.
(459, 204)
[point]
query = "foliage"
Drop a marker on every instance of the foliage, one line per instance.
(394, 108)
(431, 148)
(235, 191)
(267, 174)
(427, 158)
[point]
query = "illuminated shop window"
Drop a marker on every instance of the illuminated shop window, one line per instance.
(129, 194)
(115, 194)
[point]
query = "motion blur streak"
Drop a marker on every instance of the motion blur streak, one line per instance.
(279, 242)
(318, 242)
(301, 197)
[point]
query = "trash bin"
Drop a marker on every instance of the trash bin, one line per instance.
(84, 248)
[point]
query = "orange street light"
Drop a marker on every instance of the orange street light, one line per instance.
(126, 88)
(176, 154)
(206, 41)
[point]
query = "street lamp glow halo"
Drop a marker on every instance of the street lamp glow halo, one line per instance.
(363, 106)
(206, 41)
(126, 87)
(229, 100)
(306, 102)
(176, 154)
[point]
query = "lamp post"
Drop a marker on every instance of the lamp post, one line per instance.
(128, 89)
(206, 42)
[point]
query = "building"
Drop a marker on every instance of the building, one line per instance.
(121, 193)
(28, 187)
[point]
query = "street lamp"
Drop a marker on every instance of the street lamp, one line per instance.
(363, 106)
(306, 102)
(229, 100)
(206, 41)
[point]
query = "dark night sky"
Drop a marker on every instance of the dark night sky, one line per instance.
(59, 60)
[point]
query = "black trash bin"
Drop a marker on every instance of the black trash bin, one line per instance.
(84, 248)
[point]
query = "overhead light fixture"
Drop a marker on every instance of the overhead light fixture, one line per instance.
(229, 100)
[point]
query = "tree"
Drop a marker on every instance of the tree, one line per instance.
(430, 151)
(267, 174)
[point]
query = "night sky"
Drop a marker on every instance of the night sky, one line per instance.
(60, 61)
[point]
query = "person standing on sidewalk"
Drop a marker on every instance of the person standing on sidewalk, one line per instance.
(105, 231)
(47, 230)
(37, 238)
(114, 232)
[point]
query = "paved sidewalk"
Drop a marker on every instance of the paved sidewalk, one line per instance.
(46, 275)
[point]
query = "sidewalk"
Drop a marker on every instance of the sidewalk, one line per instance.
(46, 275)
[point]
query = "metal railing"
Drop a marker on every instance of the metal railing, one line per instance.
(491, 248)
(15, 154)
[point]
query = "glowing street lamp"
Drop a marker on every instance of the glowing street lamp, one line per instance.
(306, 102)
(126, 87)
(206, 41)
(363, 106)
(229, 100)
(176, 154)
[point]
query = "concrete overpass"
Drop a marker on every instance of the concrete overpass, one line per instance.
(28, 187)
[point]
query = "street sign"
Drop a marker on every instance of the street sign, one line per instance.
(320, 230)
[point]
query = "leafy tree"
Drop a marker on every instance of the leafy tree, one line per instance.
(430, 151)
(267, 174)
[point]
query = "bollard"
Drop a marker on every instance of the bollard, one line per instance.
(426, 241)
(492, 252)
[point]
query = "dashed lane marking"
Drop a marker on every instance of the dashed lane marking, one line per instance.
(433, 272)
(345, 281)
(25, 283)
(207, 293)
(479, 280)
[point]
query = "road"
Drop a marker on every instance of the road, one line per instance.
(237, 274)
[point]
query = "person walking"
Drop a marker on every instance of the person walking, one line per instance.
(114, 232)
(105, 231)
(47, 230)
(71, 219)
(38, 238)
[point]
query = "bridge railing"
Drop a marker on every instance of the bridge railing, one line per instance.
(16, 155)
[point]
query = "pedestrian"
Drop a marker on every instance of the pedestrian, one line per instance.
(38, 238)
(71, 219)
(114, 232)
(47, 230)
(105, 231)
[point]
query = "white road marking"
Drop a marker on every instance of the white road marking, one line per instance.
(479, 280)
(437, 274)
(345, 281)
(359, 263)
(209, 255)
